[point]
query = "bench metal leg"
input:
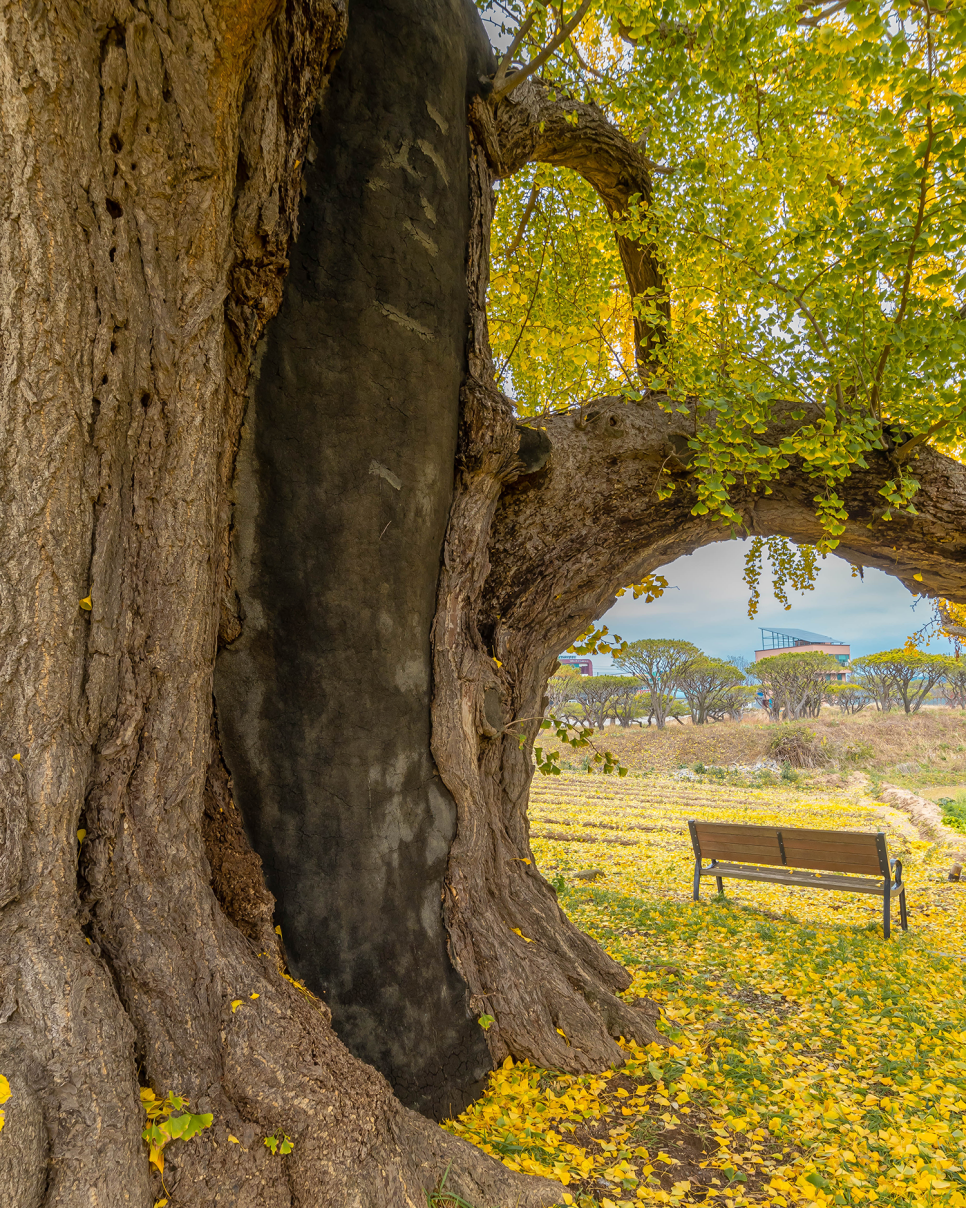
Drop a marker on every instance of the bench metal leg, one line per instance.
(697, 880)
(902, 909)
(886, 913)
(718, 881)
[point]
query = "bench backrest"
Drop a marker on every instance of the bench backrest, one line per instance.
(824, 850)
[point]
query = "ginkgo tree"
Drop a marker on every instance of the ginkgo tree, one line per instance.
(291, 550)
(809, 211)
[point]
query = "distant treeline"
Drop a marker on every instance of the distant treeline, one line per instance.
(662, 678)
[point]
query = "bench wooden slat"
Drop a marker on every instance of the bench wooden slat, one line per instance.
(808, 832)
(736, 829)
(802, 832)
(863, 870)
(742, 851)
(851, 851)
(741, 872)
(858, 843)
(831, 861)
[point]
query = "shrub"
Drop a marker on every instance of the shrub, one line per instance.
(858, 752)
(954, 812)
(798, 747)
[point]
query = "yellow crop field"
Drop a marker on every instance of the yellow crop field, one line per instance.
(812, 1061)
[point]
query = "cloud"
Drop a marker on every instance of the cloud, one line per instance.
(707, 604)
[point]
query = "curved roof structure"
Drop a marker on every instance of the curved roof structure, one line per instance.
(801, 637)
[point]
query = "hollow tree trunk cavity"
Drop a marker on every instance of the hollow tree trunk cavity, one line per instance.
(344, 485)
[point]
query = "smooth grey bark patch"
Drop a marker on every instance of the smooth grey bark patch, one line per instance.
(324, 699)
(382, 471)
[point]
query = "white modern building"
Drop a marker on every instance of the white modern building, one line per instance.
(801, 641)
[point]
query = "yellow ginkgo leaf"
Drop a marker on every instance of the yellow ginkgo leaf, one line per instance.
(234, 1140)
(17, 757)
(86, 604)
(235, 1004)
(253, 996)
(278, 931)
(517, 931)
(81, 835)
(160, 1203)
(918, 578)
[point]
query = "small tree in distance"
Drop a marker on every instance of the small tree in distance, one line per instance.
(597, 694)
(796, 683)
(904, 675)
(850, 698)
(733, 703)
(876, 681)
(955, 680)
(629, 700)
(707, 685)
(658, 663)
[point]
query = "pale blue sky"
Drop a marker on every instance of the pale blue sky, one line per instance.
(710, 607)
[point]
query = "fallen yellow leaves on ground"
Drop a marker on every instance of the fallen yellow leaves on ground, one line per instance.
(812, 1061)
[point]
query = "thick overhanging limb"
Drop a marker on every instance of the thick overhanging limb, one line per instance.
(565, 539)
(531, 125)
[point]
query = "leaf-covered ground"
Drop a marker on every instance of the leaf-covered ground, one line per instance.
(812, 1061)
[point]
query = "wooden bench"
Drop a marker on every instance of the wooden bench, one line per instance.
(786, 851)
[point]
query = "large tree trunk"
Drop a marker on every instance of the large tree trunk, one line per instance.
(152, 162)
(150, 184)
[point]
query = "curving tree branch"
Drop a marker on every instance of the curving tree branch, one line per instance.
(532, 126)
(558, 559)
(503, 85)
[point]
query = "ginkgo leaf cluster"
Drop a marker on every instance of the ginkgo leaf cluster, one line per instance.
(809, 210)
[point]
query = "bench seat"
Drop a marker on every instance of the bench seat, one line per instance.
(809, 880)
(810, 859)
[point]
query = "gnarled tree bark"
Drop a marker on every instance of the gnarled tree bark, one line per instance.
(151, 166)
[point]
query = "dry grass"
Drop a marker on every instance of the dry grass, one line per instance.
(927, 748)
